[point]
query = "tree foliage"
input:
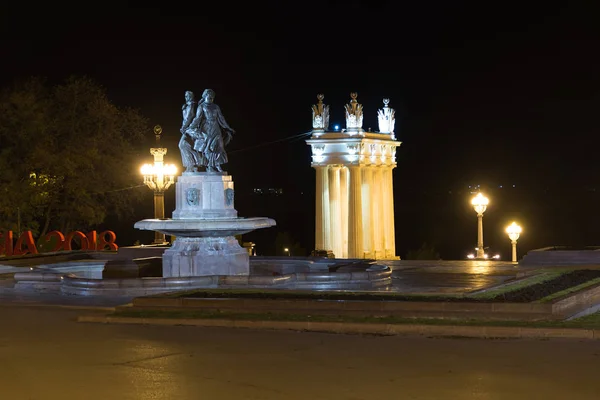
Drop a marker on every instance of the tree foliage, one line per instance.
(425, 252)
(67, 155)
(285, 240)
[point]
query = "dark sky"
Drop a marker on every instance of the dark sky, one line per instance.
(490, 93)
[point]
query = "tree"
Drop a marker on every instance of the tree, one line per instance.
(67, 155)
(425, 252)
(284, 240)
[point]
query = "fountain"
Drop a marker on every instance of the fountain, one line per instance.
(205, 221)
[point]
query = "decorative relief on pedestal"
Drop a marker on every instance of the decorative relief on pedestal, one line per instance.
(354, 114)
(353, 148)
(229, 197)
(386, 118)
(192, 196)
(320, 112)
(384, 153)
(318, 150)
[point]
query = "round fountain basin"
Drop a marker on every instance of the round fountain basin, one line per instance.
(205, 227)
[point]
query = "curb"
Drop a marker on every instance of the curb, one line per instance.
(360, 328)
(63, 306)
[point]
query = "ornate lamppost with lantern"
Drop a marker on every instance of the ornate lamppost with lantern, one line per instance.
(514, 231)
(159, 177)
(480, 203)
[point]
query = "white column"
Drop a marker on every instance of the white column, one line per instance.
(390, 236)
(355, 213)
(367, 180)
(378, 212)
(322, 217)
(344, 209)
(335, 210)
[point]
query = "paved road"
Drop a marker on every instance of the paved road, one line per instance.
(46, 355)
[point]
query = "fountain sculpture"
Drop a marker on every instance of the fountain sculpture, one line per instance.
(204, 221)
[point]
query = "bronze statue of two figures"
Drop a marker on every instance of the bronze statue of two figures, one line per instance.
(204, 134)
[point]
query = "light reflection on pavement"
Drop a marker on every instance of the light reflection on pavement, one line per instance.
(447, 277)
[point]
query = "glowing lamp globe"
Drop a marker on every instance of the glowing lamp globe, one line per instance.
(480, 203)
(514, 231)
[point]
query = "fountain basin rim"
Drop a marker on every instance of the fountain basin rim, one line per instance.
(205, 227)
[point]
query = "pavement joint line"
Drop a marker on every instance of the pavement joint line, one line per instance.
(484, 332)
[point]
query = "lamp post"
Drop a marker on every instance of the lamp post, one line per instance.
(514, 231)
(480, 203)
(158, 177)
(288, 251)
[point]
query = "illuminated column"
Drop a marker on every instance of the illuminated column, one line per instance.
(367, 174)
(344, 209)
(335, 210)
(322, 220)
(378, 212)
(355, 220)
(388, 196)
(355, 192)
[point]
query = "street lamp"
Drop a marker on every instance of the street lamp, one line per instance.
(159, 177)
(514, 231)
(288, 251)
(480, 203)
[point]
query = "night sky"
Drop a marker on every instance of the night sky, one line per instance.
(498, 94)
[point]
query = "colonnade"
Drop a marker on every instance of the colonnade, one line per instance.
(355, 210)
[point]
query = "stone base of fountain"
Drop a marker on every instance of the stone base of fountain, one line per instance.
(205, 247)
(205, 256)
(286, 273)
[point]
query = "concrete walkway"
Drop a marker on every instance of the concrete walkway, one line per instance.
(46, 355)
(409, 277)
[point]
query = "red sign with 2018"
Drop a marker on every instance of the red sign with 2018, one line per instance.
(25, 244)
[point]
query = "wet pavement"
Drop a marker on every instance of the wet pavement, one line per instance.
(446, 277)
(46, 355)
(409, 276)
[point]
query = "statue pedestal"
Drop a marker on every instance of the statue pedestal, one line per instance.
(204, 195)
(205, 225)
(202, 256)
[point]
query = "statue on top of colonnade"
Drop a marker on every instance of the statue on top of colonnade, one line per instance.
(387, 118)
(320, 114)
(354, 114)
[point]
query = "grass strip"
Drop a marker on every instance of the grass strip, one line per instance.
(572, 289)
(589, 322)
(306, 295)
(519, 284)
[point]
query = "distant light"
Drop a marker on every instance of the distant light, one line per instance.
(336, 127)
(496, 257)
(514, 231)
(470, 256)
(485, 256)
